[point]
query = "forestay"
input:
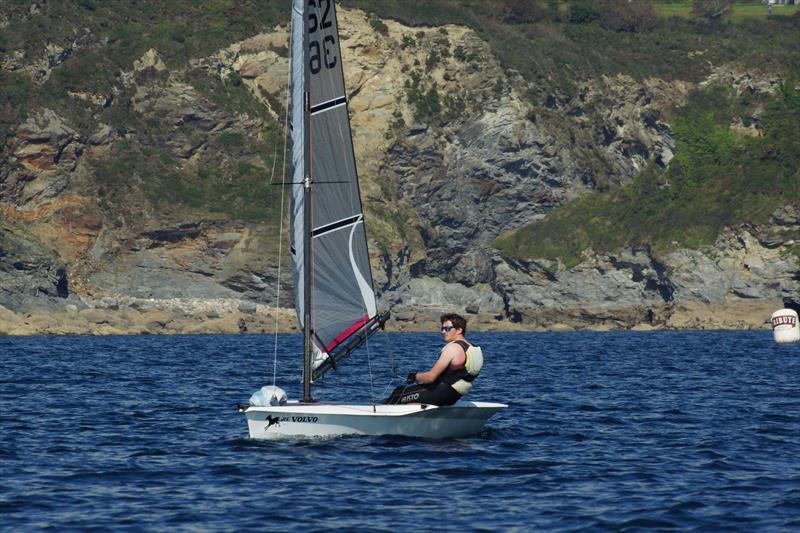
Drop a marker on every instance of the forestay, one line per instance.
(342, 298)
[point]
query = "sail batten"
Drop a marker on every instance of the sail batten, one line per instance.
(330, 104)
(342, 300)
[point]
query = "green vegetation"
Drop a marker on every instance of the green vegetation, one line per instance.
(562, 51)
(742, 11)
(423, 97)
(378, 25)
(230, 95)
(717, 179)
(108, 36)
(240, 192)
(238, 189)
(232, 174)
(794, 250)
(178, 30)
(16, 91)
(583, 12)
(422, 94)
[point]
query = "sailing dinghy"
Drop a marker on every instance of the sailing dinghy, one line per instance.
(334, 298)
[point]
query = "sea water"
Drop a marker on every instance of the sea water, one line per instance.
(604, 431)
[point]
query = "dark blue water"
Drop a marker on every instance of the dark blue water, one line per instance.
(605, 431)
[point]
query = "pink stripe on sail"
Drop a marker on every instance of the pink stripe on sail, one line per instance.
(346, 333)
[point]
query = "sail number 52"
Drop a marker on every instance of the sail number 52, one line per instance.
(323, 53)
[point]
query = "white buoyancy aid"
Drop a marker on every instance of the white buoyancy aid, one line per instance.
(461, 378)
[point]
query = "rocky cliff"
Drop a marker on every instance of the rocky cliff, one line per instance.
(452, 153)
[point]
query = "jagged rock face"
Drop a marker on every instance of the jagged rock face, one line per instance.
(262, 62)
(46, 151)
(629, 283)
(194, 120)
(621, 117)
(30, 276)
(488, 170)
(437, 190)
(492, 174)
(193, 260)
(737, 266)
(51, 190)
(744, 81)
(54, 54)
(498, 165)
(183, 107)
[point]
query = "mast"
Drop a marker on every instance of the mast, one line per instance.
(327, 214)
(307, 341)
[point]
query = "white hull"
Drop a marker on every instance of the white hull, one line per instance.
(295, 419)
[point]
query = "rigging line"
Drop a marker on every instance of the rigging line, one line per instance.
(275, 160)
(392, 363)
(369, 364)
(302, 182)
(306, 234)
(280, 224)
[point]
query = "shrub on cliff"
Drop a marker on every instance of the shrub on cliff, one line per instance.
(583, 12)
(712, 9)
(525, 12)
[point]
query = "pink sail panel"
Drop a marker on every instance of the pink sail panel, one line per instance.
(346, 333)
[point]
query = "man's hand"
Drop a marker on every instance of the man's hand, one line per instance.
(412, 377)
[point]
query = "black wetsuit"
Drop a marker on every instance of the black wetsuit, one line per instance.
(440, 392)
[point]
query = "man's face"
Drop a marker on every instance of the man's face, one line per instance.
(449, 333)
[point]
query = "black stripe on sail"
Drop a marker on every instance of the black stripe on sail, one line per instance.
(333, 226)
(329, 104)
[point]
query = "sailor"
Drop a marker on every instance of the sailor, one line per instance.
(451, 376)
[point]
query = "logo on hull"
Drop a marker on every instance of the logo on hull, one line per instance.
(309, 419)
(276, 420)
(272, 421)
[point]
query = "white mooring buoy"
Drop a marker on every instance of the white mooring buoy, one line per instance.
(784, 326)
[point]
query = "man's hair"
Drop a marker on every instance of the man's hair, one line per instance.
(458, 321)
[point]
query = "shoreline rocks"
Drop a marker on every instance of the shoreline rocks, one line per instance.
(110, 316)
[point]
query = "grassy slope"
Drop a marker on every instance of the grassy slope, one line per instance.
(741, 12)
(717, 178)
(549, 50)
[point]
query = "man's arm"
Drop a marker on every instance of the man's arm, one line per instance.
(450, 351)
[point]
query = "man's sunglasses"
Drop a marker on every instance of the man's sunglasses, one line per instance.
(447, 328)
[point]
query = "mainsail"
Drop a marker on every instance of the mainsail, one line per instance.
(342, 301)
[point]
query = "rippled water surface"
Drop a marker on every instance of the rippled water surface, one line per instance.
(603, 431)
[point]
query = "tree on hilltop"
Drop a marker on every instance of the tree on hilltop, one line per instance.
(632, 16)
